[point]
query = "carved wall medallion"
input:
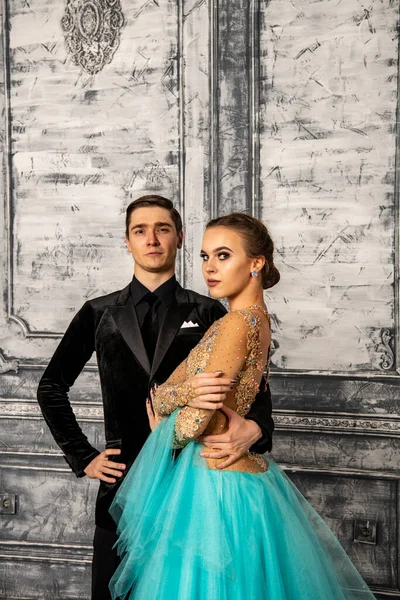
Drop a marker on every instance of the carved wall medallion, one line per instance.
(387, 358)
(92, 32)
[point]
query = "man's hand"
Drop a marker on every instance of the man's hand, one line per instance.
(210, 390)
(154, 418)
(101, 466)
(232, 444)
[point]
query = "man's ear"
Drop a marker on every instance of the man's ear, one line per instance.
(180, 240)
(128, 245)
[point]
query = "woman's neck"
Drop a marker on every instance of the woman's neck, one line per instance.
(246, 299)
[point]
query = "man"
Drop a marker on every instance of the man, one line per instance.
(140, 335)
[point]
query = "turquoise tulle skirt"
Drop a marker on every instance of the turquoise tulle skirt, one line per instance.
(190, 533)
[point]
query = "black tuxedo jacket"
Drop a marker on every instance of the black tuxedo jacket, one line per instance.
(109, 326)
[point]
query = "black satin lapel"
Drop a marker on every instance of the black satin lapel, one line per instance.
(175, 316)
(126, 320)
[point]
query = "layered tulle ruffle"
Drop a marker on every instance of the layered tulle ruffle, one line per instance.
(190, 533)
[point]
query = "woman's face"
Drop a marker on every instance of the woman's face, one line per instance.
(226, 266)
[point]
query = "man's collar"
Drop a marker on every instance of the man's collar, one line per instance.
(164, 292)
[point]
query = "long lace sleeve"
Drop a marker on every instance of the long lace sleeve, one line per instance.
(172, 394)
(225, 351)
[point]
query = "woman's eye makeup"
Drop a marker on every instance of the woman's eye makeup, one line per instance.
(221, 256)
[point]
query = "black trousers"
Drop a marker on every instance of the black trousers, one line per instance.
(105, 562)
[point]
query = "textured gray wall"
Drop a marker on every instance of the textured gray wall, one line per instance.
(283, 109)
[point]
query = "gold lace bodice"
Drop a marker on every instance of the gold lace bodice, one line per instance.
(237, 345)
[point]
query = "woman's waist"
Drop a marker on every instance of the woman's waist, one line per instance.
(247, 463)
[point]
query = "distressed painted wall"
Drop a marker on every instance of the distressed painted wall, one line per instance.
(328, 138)
(81, 146)
(283, 109)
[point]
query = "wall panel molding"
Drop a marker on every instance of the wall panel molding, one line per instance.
(213, 74)
(237, 97)
(396, 254)
(89, 412)
(329, 422)
(331, 472)
(41, 461)
(254, 107)
(384, 375)
(8, 365)
(336, 423)
(181, 127)
(45, 551)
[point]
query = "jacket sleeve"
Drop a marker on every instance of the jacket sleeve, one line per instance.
(71, 355)
(218, 311)
(261, 413)
(261, 410)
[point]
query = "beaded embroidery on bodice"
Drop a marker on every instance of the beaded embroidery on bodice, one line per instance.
(231, 345)
(248, 385)
(248, 382)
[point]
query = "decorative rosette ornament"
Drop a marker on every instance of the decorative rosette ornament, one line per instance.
(92, 32)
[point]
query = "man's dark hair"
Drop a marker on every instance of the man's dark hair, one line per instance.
(153, 200)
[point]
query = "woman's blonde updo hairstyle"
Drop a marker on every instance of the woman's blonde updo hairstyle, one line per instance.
(256, 241)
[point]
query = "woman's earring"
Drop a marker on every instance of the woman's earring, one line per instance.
(254, 273)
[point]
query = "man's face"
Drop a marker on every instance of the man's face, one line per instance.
(153, 240)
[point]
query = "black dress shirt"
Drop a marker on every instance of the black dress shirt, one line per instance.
(165, 292)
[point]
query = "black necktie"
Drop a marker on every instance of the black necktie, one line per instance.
(150, 325)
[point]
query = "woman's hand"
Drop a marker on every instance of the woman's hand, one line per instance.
(210, 390)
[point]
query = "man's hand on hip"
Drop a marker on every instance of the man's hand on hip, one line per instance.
(101, 466)
(241, 435)
(210, 390)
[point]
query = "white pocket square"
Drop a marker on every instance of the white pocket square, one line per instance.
(189, 324)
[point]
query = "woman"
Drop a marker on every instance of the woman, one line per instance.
(191, 531)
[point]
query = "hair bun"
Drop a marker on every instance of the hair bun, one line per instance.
(270, 276)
